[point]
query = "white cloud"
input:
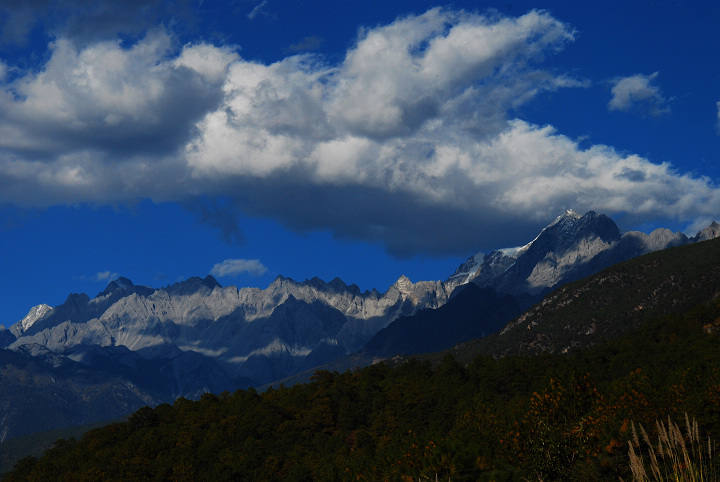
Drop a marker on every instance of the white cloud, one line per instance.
(407, 140)
(257, 10)
(638, 92)
(234, 267)
(400, 76)
(112, 99)
(105, 276)
(441, 71)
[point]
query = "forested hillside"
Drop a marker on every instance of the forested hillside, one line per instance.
(549, 416)
(558, 417)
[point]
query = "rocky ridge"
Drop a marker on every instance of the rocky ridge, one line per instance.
(252, 333)
(572, 247)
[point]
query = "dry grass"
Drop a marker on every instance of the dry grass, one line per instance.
(675, 457)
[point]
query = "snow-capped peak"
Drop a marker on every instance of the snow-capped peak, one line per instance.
(468, 269)
(500, 260)
(35, 313)
(124, 283)
(568, 214)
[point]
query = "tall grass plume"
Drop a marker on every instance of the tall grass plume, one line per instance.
(675, 457)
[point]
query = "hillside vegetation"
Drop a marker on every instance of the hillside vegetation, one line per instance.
(611, 303)
(549, 415)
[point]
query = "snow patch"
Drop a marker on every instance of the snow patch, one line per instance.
(274, 348)
(35, 313)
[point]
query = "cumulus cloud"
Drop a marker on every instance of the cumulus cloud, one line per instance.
(235, 267)
(638, 92)
(106, 121)
(111, 99)
(407, 140)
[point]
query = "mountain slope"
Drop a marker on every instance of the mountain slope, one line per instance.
(42, 391)
(570, 248)
(610, 303)
(473, 312)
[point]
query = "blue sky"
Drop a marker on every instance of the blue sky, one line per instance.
(164, 139)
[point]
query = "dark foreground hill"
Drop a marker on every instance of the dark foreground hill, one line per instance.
(549, 415)
(610, 304)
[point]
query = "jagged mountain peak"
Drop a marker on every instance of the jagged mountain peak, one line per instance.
(571, 227)
(403, 284)
(316, 281)
(564, 250)
(124, 282)
(6, 336)
(193, 285)
(279, 281)
(568, 215)
(75, 300)
(120, 288)
(710, 232)
(335, 285)
(467, 270)
(566, 222)
(121, 283)
(567, 228)
(35, 313)
(338, 285)
(355, 290)
(561, 252)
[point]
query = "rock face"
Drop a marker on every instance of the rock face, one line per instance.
(6, 336)
(254, 335)
(710, 232)
(570, 248)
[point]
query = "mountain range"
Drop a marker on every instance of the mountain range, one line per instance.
(98, 358)
(637, 342)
